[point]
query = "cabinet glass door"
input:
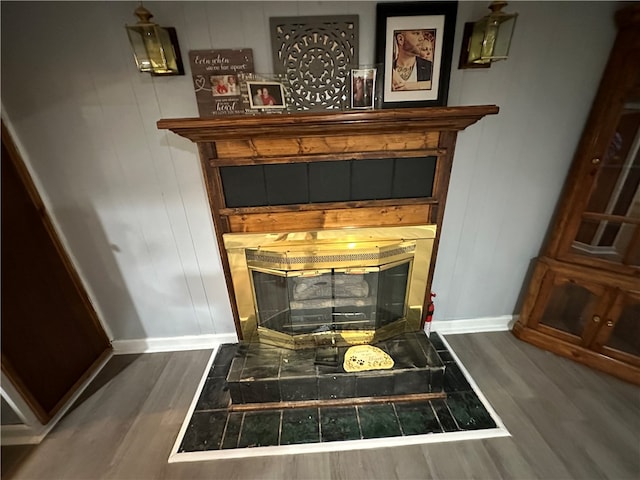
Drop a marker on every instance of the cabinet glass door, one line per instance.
(573, 307)
(610, 224)
(620, 334)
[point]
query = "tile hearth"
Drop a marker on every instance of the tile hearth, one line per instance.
(240, 372)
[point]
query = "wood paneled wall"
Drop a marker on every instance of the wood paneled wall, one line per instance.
(130, 202)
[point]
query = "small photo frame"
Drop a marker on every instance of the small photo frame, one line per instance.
(363, 88)
(266, 95)
(224, 85)
(414, 43)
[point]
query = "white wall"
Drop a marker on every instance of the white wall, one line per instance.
(130, 201)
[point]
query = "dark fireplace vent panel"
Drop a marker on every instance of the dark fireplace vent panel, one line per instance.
(321, 182)
(314, 301)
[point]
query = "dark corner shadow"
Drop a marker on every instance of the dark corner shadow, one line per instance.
(116, 365)
(96, 259)
(525, 287)
(532, 263)
(12, 457)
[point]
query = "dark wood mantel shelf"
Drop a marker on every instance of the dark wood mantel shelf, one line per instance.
(326, 122)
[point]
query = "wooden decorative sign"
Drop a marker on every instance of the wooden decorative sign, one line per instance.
(215, 79)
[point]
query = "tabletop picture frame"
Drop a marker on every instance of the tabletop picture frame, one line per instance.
(264, 95)
(414, 46)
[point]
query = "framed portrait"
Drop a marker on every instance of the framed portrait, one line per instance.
(363, 88)
(266, 95)
(414, 45)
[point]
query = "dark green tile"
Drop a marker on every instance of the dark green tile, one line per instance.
(298, 363)
(222, 362)
(446, 356)
(259, 391)
(214, 395)
(415, 380)
(454, 379)
(298, 388)
(417, 418)
(430, 352)
(231, 434)
(469, 411)
(235, 371)
(375, 384)
(437, 342)
(260, 429)
(300, 426)
(204, 432)
(339, 423)
(436, 380)
(336, 386)
(406, 352)
(443, 414)
(378, 421)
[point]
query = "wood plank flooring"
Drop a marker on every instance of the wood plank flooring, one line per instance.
(566, 421)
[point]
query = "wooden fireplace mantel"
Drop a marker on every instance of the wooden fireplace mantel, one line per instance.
(374, 168)
(326, 123)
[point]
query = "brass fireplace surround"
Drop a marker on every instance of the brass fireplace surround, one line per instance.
(355, 249)
(326, 182)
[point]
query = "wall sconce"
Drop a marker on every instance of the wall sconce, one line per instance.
(155, 48)
(487, 40)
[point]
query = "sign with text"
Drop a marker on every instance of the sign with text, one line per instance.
(215, 79)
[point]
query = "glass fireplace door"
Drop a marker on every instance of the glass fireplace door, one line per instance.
(330, 300)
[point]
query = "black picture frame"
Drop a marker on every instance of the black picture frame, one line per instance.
(403, 23)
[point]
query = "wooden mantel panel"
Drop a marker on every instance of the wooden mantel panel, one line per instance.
(266, 148)
(331, 218)
(319, 124)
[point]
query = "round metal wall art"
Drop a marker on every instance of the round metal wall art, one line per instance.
(315, 55)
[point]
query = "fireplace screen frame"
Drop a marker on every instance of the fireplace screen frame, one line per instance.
(354, 248)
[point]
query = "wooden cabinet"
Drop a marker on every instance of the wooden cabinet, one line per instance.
(584, 297)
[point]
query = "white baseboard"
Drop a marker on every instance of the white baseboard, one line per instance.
(473, 325)
(172, 344)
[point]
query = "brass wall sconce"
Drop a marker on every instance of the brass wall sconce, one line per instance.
(155, 48)
(487, 40)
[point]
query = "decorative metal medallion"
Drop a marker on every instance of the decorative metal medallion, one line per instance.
(316, 55)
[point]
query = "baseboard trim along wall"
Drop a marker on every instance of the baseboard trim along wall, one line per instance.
(474, 325)
(204, 342)
(172, 344)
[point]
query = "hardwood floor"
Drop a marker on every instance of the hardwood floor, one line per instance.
(566, 421)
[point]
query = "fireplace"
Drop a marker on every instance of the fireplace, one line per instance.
(328, 222)
(330, 287)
